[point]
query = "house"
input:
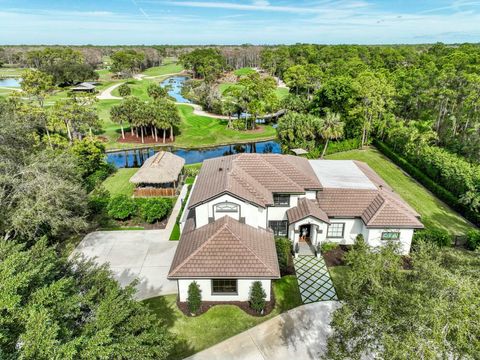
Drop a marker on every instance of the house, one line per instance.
(84, 86)
(239, 203)
(159, 175)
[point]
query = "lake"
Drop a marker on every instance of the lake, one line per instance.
(136, 157)
(175, 84)
(10, 82)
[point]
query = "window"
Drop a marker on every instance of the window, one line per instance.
(391, 235)
(280, 228)
(224, 286)
(226, 207)
(335, 230)
(281, 199)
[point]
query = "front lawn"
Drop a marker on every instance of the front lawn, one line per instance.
(170, 68)
(221, 322)
(118, 183)
(339, 275)
(244, 71)
(434, 212)
(203, 131)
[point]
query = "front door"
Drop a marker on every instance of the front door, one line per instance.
(305, 233)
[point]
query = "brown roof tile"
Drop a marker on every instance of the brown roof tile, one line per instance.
(253, 177)
(225, 248)
(305, 208)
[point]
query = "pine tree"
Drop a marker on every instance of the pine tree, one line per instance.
(194, 300)
(257, 296)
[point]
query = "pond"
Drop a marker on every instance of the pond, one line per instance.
(10, 82)
(175, 84)
(136, 157)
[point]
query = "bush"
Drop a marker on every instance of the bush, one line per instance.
(343, 145)
(153, 209)
(93, 180)
(430, 184)
(194, 299)
(98, 201)
(436, 236)
(238, 124)
(284, 250)
(121, 207)
(124, 90)
(257, 297)
(473, 239)
(327, 246)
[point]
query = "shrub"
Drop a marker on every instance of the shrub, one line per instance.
(473, 239)
(194, 299)
(283, 246)
(238, 124)
(343, 145)
(154, 209)
(257, 297)
(121, 207)
(98, 201)
(327, 246)
(433, 235)
(430, 184)
(124, 90)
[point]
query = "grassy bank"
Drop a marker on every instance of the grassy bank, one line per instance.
(434, 212)
(118, 183)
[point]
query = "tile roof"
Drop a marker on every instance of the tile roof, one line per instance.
(306, 207)
(377, 208)
(225, 248)
(253, 177)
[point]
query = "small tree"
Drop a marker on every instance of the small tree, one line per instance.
(194, 300)
(257, 297)
(473, 239)
(283, 246)
(124, 90)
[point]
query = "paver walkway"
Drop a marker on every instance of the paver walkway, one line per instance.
(314, 279)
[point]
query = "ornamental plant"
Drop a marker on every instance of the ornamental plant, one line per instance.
(194, 299)
(257, 297)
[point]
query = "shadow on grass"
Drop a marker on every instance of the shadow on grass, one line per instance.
(164, 311)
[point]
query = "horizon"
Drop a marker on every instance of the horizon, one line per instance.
(255, 22)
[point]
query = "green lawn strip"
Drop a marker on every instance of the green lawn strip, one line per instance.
(5, 92)
(175, 234)
(202, 131)
(220, 322)
(244, 71)
(11, 72)
(434, 212)
(170, 68)
(339, 275)
(118, 183)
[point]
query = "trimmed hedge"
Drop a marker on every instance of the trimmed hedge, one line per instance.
(343, 145)
(430, 184)
(153, 209)
(437, 236)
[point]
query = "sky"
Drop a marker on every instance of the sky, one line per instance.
(114, 22)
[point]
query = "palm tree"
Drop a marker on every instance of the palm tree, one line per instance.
(332, 128)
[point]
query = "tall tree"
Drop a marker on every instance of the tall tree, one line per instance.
(332, 129)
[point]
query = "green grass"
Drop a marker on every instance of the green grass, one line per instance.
(339, 275)
(118, 183)
(11, 72)
(5, 92)
(244, 71)
(169, 68)
(175, 235)
(198, 131)
(434, 212)
(194, 334)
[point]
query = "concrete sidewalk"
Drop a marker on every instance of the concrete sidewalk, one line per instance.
(300, 333)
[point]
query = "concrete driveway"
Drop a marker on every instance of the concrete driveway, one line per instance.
(143, 254)
(300, 333)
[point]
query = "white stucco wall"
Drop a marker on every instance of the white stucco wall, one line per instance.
(352, 228)
(243, 287)
(374, 238)
(254, 216)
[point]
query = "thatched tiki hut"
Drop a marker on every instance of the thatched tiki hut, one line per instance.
(159, 175)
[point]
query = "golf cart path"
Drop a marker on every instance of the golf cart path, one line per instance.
(107, 93)
(300, 333)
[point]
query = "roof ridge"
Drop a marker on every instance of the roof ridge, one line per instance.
(248, 247)
(375, 214)
(245, 184)
(222, 226)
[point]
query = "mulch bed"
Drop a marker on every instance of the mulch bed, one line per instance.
(335, 257)
(146, 139)
(155, 226)
(244, 305)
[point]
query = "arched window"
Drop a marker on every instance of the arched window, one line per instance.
(226, 207)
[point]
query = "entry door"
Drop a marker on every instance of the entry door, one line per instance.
(305, 233)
